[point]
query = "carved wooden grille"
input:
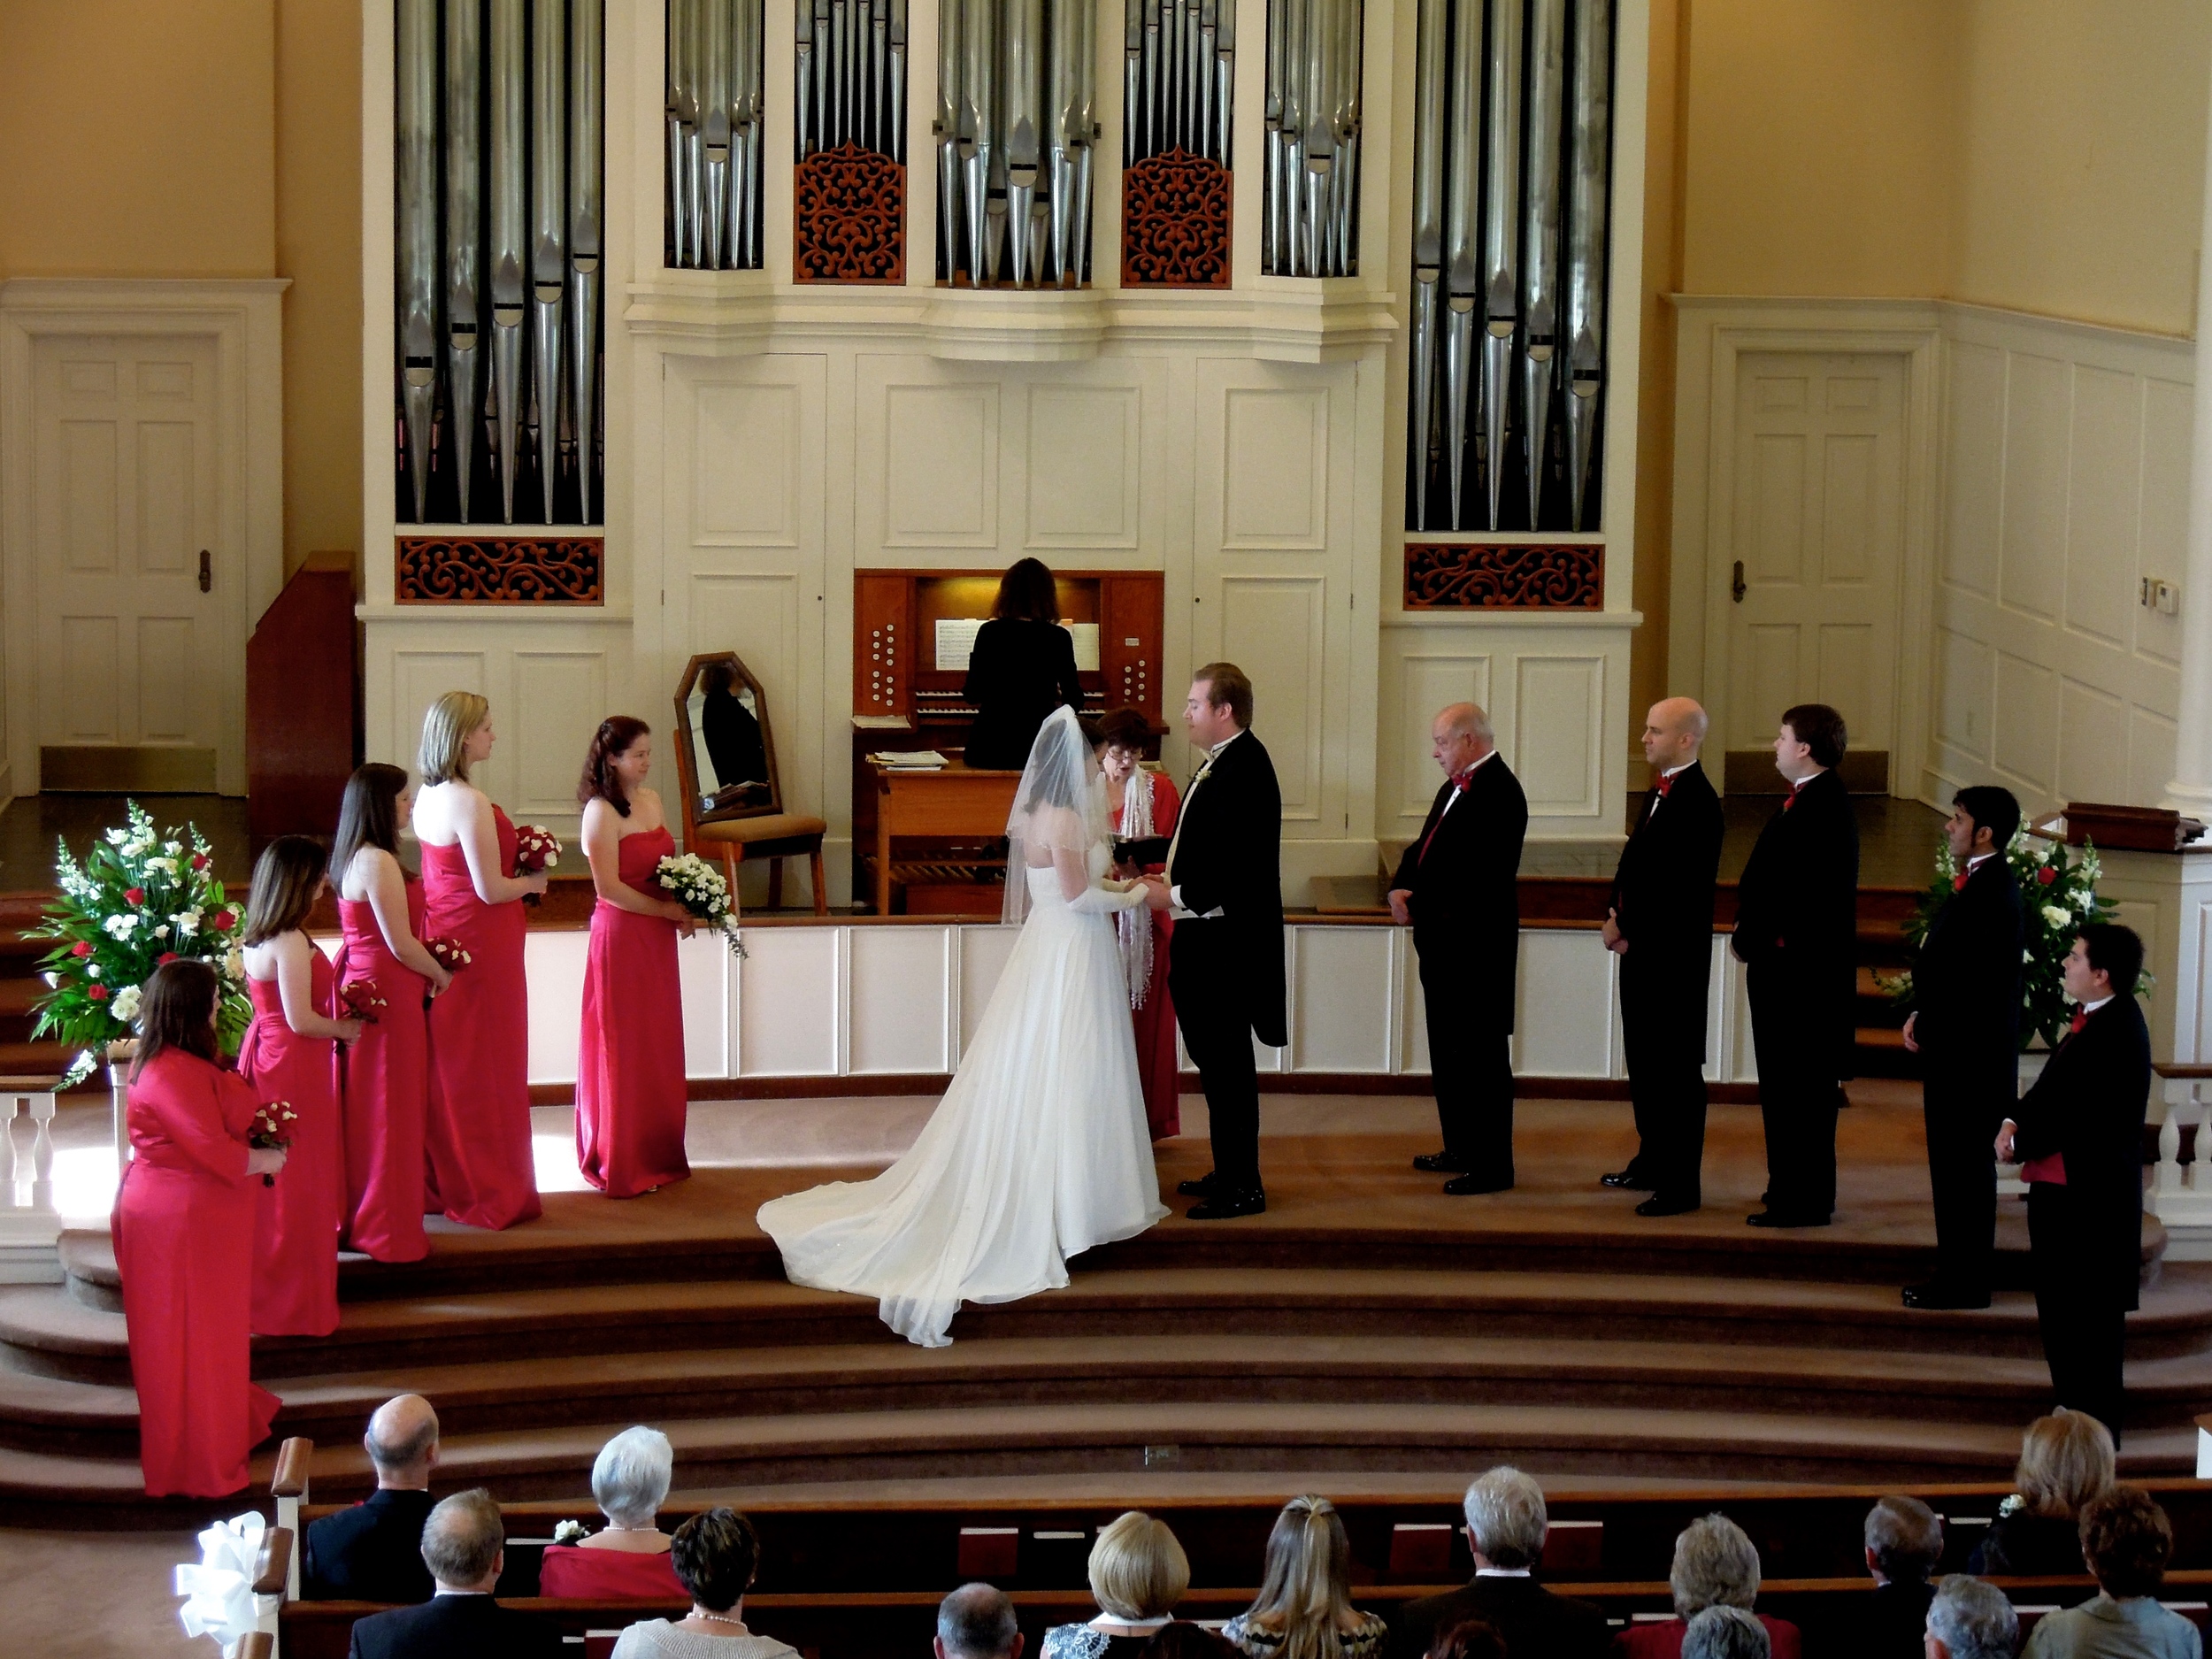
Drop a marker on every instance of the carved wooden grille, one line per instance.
(1175, 222)
(850, 218)
(501, 571)
(1484, 576)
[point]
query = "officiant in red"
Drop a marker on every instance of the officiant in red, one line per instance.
(1143, 805)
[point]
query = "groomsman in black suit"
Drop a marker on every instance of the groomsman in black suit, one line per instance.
(1224, 884)
(1459, 886)
(1965, 1025)
(1660, 923)
(1797, 931)
(2078, 1134)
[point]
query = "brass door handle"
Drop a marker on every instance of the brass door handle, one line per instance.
(1735, 587)
(207, 572)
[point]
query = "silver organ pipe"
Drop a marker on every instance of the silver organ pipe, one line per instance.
(1511, 142)
(1310, 224)
(1180, 64)
(716, 59)
(499, 126)
(1017, 118)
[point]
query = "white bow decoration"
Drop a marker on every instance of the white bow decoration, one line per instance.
(219, 1592)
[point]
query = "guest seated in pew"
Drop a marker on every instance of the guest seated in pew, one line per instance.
(629, 1482)
(1304, 1610)
(372, 1552)
(974, 1622)
(1137, 1573)
(1725, 1633)
(2127, 1541)
(1904, 1540)
(463, 1544)
(1505, 1523)
(1470, 1639)
(1968, 1619)
(2066, 1462)
(1714, 1565)
(715, 1556)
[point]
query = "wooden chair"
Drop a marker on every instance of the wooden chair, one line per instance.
(742, 818)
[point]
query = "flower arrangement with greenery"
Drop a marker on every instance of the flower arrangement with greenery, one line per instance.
(141, 897)
(2058, 897)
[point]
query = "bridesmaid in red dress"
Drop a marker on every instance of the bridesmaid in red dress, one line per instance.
(386, 1085)
(481, 1170)
(291, 1053)
(183, 1226)
(1143, 804)
(630, 1056)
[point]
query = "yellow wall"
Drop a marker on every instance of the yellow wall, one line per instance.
(2082, 163)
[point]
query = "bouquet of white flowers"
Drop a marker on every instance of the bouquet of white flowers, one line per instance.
(699, 888)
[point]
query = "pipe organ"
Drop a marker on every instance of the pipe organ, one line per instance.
(1512, 136)
(1313, 103)
(1180, 63)
(715, 56)
(1016, 117)
(498, 118)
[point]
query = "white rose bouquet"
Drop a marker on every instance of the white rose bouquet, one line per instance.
(699, 888)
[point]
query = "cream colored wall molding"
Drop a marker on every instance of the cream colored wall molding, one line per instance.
(1712, 332)
(243, 318)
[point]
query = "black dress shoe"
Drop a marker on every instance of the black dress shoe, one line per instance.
(1628, 1180)
(1786, 1218)
(1467, 1185)
(1935, 1296)
(1439, 1163)
(1225, 1205)
(1198, 1189)
(1657, 1206)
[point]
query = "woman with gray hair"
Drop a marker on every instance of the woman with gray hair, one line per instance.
(1970, 1619)
(1714, 1565)
(629, 1482)
(1725, 1633)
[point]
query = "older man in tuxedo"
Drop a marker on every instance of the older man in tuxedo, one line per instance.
(1660, 923)
(1797, 932)
(1224, 884)
(2078, 1134)
(1506, 1523)
(1965, 1027)
(372, 1552)
(1459, 886)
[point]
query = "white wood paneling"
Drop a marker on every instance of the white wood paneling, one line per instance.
(984, 952)
(564, 693)
(1564, 1025)
(554, 964)
(791, 1002)
(710, 978)
(901, 985)
(1558, 733)
(1343, 1002)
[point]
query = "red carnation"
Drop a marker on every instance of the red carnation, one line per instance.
(2047, 874)
(225, 921)
(83, 947)
(200, 861)
(97, 992)
(136, 896)
(164, 958)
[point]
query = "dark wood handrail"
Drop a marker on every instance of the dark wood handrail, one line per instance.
(272, 1566)
(290, 1479)
(2180, 1071)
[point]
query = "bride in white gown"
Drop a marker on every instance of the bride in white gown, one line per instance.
(1039, 1149)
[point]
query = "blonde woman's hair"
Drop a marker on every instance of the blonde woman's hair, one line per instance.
(445, 734)
(2066, 1460)
(1138, 1569)
(1309, 1568)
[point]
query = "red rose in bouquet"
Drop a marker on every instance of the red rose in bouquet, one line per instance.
(271, 1128)
(536, 848)
(447, 953)
(360, 999)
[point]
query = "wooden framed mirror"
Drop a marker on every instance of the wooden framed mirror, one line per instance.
(726, 748)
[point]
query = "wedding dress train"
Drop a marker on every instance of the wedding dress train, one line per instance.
(1040, 1148)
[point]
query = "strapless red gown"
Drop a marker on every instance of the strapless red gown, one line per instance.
(296, 1221)
(183, 1226)
(630, 1054)
(387, 1091)
(479, 1048)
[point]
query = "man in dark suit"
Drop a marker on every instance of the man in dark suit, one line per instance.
(1965, 1025)
(1458, 885)
(1904, 1541)
(1660, 923)
(2078, 1134)
(372, 1552)
(463, 1545)
(1224, 884)
(1797, 931)
(1505, 1523)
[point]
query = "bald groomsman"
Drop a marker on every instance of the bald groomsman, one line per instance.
(1661, 925)
(1458, 885)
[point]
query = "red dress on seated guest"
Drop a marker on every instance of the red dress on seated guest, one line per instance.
(296, 1221)
(183, 1227)
(573, 1571)
(387, 1090)
(479, 1048)
(1663, 1640)
(630, 1053)
(1155, 1022)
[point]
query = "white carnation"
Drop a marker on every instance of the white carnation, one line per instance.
(2057, 916)
(124, 1006)
(120, 926)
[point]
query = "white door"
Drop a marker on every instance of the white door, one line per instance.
(1817, 531)
(133, 652)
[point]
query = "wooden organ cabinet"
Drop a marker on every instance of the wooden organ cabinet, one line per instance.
(911, 631)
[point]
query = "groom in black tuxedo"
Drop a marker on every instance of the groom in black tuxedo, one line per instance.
(1224, 884)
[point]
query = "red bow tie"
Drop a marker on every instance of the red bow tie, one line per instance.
(2080, 1018)
(1958, 882)
(1664, 785)
(1461, 779)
